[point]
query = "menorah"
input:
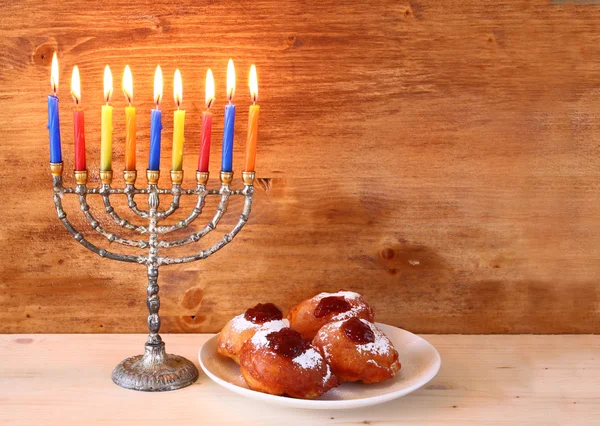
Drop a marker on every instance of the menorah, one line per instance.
(155, 370)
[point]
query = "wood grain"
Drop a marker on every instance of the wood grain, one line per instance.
(491, 380)
(440, 157)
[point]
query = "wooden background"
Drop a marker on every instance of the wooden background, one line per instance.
(441, 157)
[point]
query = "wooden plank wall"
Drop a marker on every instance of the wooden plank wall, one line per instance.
(441, 157)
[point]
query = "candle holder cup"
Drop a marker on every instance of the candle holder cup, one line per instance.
(155, 370)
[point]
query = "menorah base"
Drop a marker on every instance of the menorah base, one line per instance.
(155, 371)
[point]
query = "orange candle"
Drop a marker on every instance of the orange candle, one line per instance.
(130, 127)
(252, 123)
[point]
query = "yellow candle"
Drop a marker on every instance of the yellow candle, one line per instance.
(178, 124)
(252, 123)
(107, 125)
(129, 120)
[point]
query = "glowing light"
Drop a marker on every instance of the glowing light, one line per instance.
(108, 84)
(178, 88)
(76, 85)
(253, 83)
(128, 84)
(210, 89)
(158, 85)
(54, 74)
(230, 80)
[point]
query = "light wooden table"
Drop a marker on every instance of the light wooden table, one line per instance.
(484, 380)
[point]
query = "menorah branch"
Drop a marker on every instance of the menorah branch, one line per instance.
(123, 223)
(248, 192)
(196, 211)
(62, 215)
(195, 237)
(111, 237)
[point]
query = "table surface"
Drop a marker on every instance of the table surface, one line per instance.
(484, 380)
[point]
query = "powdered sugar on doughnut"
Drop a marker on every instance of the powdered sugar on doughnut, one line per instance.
(372, 361)
(308, 359)
(380, 346)
(348, 296)
(259, 340)
(327, 375)
(240, 323)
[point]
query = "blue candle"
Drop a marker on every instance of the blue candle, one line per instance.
(53, 121)
(54, 129)
(156, 123)
(155, 133)
(227, 159)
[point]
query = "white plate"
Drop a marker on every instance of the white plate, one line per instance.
(420, 363)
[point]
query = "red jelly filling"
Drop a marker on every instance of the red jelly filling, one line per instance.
(358, 331)
(287, 342)
(263, 312)
(335, 304)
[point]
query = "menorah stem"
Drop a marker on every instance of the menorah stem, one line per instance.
(155, 370)
(153, 299)
(153, 303)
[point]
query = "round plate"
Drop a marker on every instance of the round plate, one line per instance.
(420, 363)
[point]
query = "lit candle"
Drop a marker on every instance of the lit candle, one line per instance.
(227, 158)
(53, 121)
(78, 122)
(206, 124)
(129, 120)
(252, 122)
(156, 122)
(178, 124)
(106, 127)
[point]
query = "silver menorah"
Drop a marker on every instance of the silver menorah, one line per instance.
(155, 370)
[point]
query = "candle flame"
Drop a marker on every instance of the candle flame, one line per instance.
(128, 84)
(108, 84)
(54, 74)
(76, 85)
(178, 88)
(158, 85)
(253, 83)
(230, 80)
(210, 89)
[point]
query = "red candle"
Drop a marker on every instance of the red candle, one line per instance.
(78, 122)
(206, 124)
(205, 141)
(79, 140)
